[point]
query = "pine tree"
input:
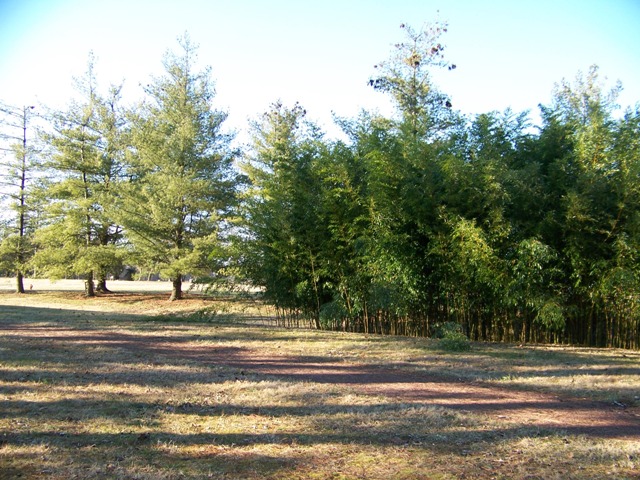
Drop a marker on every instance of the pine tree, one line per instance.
(79, 235)
(19, 166)
(407, 77)
(183, 183)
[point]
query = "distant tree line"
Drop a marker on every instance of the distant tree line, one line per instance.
(510, 231)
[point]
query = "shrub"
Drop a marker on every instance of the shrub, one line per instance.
(452, 338)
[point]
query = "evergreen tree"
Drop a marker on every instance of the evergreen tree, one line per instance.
(16, 182)
(79, 235)
(183, 182)
(406, 76)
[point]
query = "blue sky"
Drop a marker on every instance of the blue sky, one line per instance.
(320, 53)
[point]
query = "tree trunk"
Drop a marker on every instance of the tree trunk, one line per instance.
(102, 284)
(23, 201)
(19, 283)
(176, 292)
(89, 290)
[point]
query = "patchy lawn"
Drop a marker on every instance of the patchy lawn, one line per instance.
(132, 386)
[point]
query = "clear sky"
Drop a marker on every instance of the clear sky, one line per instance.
(509, 53)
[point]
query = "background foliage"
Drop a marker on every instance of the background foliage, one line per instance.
(495, 228)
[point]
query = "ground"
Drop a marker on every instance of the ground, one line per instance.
(500, 403)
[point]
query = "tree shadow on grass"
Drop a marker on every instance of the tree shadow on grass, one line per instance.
(82, 350)
(390, 419)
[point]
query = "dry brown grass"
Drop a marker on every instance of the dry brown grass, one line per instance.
(79, 400)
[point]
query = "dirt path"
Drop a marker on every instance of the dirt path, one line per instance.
(505, 405)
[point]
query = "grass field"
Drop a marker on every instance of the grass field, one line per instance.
(131, 386)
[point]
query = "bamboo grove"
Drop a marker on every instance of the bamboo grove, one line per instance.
(514, 233)
(510, 231)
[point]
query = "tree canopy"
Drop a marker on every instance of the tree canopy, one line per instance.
(182, 182)
(421, 222)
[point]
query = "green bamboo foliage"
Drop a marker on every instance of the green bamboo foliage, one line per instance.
(415, 223)
(282, 212)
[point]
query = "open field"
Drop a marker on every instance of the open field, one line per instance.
(44, 285)
(133, 386)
